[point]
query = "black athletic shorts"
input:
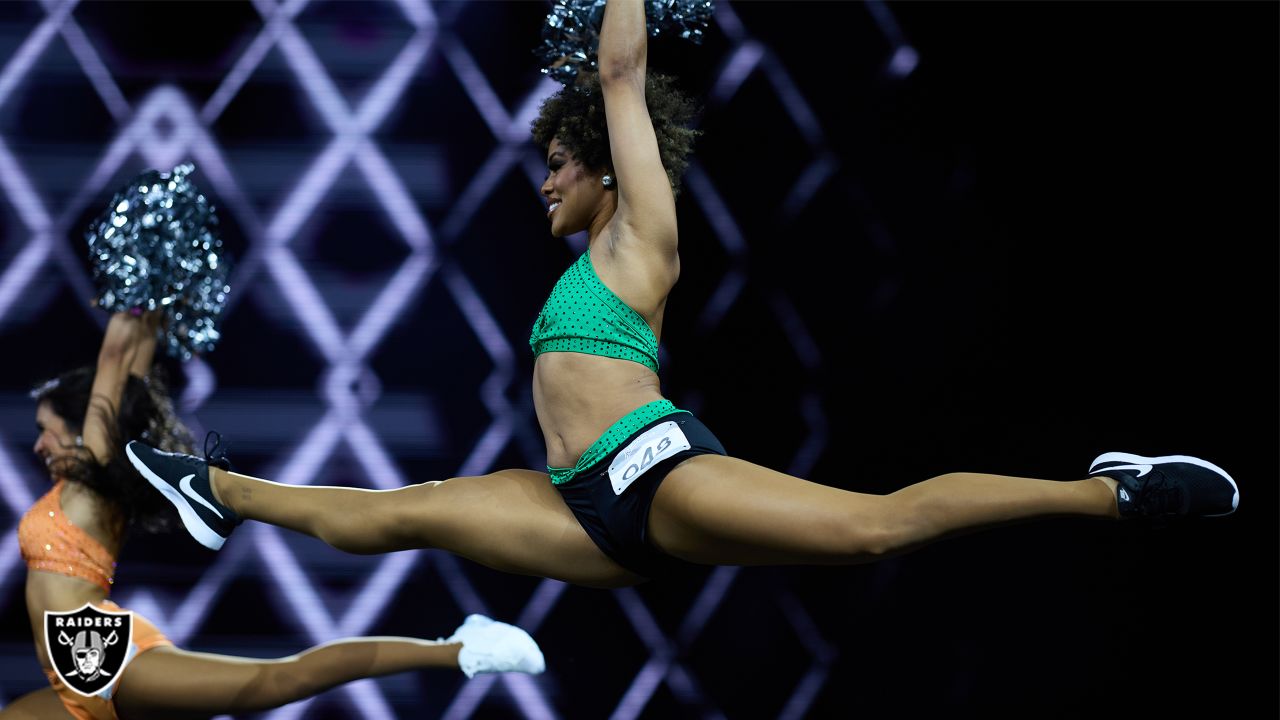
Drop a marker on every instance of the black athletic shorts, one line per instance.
(618, 521)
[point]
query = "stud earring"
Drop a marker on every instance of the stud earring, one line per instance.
(607, 180)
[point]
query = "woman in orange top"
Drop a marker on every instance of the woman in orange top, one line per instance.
(71, 537)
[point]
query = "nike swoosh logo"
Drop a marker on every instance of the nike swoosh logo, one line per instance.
(1142, 469)
(185, 484)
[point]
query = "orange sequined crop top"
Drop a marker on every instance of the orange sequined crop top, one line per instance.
(50, 542)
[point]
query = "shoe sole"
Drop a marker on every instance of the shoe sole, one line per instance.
(198, 529)
(1130, 459)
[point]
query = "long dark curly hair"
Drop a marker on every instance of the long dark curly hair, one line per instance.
(575, 115)
(145, 413)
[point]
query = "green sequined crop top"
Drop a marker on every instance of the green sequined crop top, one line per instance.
(583, 315)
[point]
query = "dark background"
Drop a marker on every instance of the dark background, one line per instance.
(1055, 237)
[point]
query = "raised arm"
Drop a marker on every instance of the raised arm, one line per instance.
(646, 205)
(146, 344)
(128, 347)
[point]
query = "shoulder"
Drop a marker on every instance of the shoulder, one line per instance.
(640, 273)
(88, 510)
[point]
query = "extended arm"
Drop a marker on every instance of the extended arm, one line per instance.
(128, 347)
(646, 205)
(145, 354)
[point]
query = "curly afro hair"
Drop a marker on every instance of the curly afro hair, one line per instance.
(575, 115)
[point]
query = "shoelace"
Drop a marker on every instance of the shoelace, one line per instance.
(217, 457)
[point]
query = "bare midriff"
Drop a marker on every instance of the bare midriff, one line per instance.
(578, 396)
(55, 593)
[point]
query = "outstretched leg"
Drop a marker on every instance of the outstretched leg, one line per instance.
(511, 520)
(724, 511)
(167, 682)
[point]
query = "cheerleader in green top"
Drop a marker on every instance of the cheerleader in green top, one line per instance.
(634, 484)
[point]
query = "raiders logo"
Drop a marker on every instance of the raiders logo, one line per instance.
(88, 646)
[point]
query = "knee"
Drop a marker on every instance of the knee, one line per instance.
(891, 525)
(349, 531)
(867, 541)
(282, 681)
(380, 521)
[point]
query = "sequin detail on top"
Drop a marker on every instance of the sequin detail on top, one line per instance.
(50, 542)
(617, 433)
(583, 315)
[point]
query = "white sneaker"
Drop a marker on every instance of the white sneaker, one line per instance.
(489, 646)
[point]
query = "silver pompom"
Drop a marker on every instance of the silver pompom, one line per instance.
(571, 33)
(156, 247)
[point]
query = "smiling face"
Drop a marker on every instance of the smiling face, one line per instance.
(56, 441)
(576, 197)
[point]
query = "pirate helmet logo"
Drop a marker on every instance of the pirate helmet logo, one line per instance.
(88, 647)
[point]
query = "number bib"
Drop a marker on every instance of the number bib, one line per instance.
(656, 444)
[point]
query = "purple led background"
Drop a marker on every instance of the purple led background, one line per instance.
(916, 238)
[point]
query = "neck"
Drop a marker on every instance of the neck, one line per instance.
(600, 222)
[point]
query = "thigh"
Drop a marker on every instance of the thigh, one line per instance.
(719, 510)
(174, 684)
(38, 705)
(514, 521)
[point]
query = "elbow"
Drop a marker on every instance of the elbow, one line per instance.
(624, 69)
(120, 340)
(116, 353)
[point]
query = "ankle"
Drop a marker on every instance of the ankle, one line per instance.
(219, 485)
(451, 651)
(1113, 503)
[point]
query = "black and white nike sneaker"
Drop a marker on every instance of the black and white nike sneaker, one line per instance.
(1168, 486)
(184, 480)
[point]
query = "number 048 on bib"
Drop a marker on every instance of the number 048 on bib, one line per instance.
(652, 447)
